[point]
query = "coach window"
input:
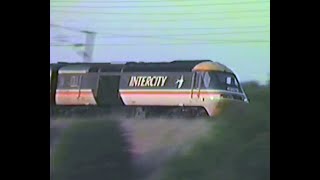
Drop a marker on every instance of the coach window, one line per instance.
(74, 81)
(61, 82)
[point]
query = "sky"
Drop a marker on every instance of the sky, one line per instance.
(233, 32)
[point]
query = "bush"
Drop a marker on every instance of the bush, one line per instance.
(237, 148)
(92, 150)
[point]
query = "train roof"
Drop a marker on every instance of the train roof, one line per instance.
(86, 68)
(173, 66)
(55, 66)
(76, 69)
(211, 66)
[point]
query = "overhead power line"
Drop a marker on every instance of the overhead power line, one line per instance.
(168, 35)
(101, 21)
(188, 38)
(172, 44)
(105, 19)
(157, 6)
(165, 13)
(189, 28)
(68, 28)
(107, 35)
(185, 28)
(185, 39)
(89, 41)
(119, 1)
(177, 28)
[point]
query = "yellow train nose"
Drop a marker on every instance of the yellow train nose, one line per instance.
(221, 106)
(224, 104)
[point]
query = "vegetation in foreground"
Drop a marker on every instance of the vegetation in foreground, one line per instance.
(237, 148)
(92, 150)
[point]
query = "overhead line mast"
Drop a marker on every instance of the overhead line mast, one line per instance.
(89, 42)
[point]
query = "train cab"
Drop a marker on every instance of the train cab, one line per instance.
(217, 86)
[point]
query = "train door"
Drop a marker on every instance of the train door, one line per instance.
(197, 81)
(75, 82)
(108, 90)
(75, 88)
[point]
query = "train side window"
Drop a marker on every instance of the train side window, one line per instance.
(235, 82)
(206, 80)
(74, 81)
(199, 80)
(228, 80)
(231, 81)
(61, 81)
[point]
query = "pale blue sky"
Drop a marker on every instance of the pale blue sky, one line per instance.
(233, 32)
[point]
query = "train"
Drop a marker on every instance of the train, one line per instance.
(187, 88)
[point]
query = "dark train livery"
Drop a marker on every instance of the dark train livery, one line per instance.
(192, 88)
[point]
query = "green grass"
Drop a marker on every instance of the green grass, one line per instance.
(92, 150)
(237, 148)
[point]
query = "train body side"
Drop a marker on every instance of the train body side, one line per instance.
(179, 84)
(84, 85)
(156, 88)
(54, 68)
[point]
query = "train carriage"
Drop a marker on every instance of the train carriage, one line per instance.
(88, 84)
(192, 88)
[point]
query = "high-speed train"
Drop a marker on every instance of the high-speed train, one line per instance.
(191, 87)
